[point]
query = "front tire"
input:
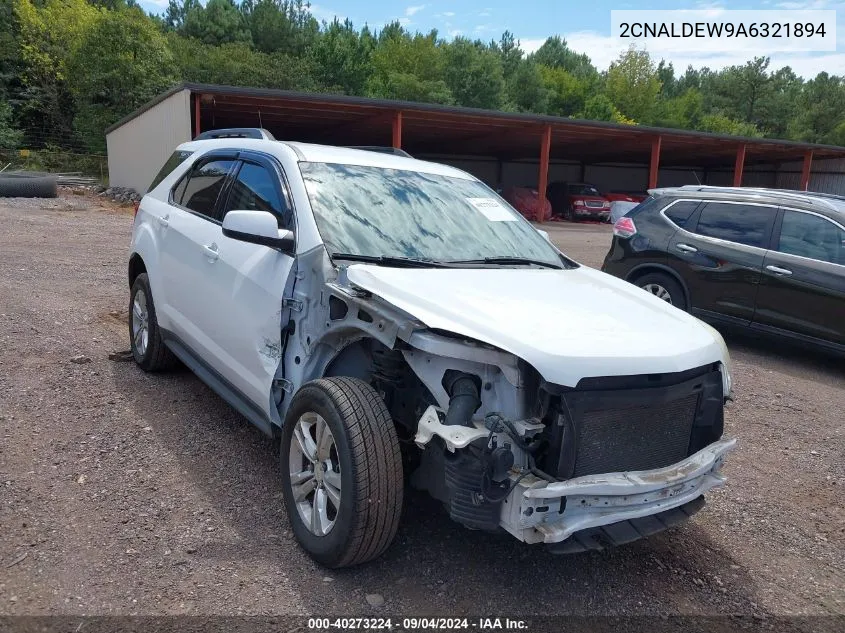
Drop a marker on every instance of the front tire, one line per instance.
(341, 471)
(663, 287)
(148, 348)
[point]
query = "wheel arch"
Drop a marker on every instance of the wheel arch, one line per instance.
(644, 269)
(135, 268)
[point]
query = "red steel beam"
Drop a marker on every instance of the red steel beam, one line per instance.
(545, 148)
(397, 129)
(196, 115)
(805, 170)
(740, 163)
(654, 164)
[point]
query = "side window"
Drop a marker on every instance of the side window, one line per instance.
(810, 236)
(681, 211)
(741, 223)
(176, 159)
(203, 185)
(255, 189)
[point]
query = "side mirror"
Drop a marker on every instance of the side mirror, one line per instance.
(257, 227)
(545, 235)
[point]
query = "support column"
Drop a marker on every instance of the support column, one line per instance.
(738, 166)
(196, 115)
(654, 165)
(545, 148)
(805, 170)
(397, 129)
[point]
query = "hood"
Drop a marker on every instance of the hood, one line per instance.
(568, 324)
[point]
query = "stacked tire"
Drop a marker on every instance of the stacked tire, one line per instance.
(28, 185)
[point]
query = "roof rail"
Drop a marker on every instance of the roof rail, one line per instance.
(236, 132)
(383, 149)
(785, 194)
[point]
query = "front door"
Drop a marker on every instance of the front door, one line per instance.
(803, 286)
(248, 284)
(720, 253)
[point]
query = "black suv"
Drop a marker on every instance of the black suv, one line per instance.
(768, 259)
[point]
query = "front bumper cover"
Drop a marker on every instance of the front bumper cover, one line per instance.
(541, 512)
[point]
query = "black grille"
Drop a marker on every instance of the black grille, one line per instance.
(623, 423)
(635, 438)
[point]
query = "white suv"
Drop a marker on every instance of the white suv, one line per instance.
(384, 316)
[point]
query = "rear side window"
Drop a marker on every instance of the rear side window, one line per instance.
(200, 189)
(176, 158)
(810, 236)
(741, 223)
(681, 211)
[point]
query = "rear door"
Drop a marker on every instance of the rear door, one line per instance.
(247, 284)
(719, 252)
(803, 283)
(189, 252)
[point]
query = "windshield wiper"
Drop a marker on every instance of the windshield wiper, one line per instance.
(506, 261)
(386, 260)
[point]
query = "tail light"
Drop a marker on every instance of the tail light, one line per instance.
(605, 204)
(624, 227)
(137, 204)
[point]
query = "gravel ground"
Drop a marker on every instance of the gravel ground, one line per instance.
(125, 493)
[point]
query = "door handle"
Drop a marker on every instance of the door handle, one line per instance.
(164, 220)
(686, 248)
(778, 270)
(211, 251)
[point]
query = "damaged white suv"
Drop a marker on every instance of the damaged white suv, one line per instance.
(389, 319)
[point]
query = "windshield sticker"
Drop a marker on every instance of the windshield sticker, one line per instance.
(492, 210)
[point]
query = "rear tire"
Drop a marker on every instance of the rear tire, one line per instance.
(148, 349)
(663, 287)
(341, 471)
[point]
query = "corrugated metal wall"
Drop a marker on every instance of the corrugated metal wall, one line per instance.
(138, 148)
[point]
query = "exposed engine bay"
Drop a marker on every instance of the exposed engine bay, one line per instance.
(497, 442)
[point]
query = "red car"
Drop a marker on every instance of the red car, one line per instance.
(577, 200)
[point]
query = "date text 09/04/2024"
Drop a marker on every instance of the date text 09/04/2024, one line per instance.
(417, 624)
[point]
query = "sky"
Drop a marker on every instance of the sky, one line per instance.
(584, 24)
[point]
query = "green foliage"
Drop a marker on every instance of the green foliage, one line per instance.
(555, 53)
(567, 93)
(408, 68)
(122, 63)
(10, 136)
(721, 124)
(69, 68)
(632, 85)
(342, 58)
(474, 75)
(218, 22)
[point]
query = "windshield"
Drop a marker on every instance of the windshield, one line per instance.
(584, 190)
(379, 212)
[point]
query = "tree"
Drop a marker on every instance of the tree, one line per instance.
(821, 109)
(49, 34)
(285, 26)
(10, 136)
(176, 12)
(218, 22)
(342, 58)
(599, 107)
(474, 75)
(409, 68)
(526, 90)
(567, 93)
(683, 111)
(739, 90)
(722, 124)
(632, 85)
(122, 63)
(555, 53)
(509, 52)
